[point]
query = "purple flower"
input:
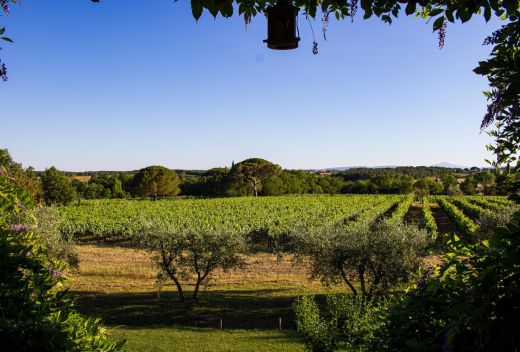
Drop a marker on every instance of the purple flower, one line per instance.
(315, 48)
(18, 227)
(2, 172)
(21, 206)
(55, 272)
(5, 6)
(3, 71)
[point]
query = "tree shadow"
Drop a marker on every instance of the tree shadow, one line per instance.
(238, 309)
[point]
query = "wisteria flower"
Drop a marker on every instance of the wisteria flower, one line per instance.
(18, 227)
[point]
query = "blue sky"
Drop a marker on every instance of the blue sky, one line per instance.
(124, 84)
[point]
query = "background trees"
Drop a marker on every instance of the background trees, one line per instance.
(57, 187)
(155, 181)
(27, 179)
(253, 172)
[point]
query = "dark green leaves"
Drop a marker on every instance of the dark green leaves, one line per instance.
(196, 8)
(438, 23)
(410, 8)
(2, 31)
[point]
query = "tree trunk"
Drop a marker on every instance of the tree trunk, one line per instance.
(344, 276)
(179, 288)
(197, 287)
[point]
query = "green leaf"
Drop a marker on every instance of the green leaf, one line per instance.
(435, 12)
(410, 8)
(438, 23)
(7, 39)
(196, 8)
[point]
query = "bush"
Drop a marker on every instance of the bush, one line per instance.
(319, 334)
(348, 322)
(471, 303)
(35, 313)
(58, 246)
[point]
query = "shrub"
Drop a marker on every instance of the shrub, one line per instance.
(35, 313)
(58, 246)
(471, 303)
(348, 322)
(320, 335)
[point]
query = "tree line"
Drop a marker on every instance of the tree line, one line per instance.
(256, 177)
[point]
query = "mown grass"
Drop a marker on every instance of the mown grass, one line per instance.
(182, 339)
(119, 285)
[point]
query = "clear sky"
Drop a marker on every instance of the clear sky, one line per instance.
(125, 83)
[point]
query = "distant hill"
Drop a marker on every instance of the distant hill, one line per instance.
(450, 166)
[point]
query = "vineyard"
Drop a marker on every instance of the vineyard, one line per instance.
(273, 215)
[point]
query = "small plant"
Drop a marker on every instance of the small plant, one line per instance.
(347, 322)
(59, 246)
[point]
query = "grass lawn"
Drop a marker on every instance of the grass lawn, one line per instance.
(118, 285)
(182, 339)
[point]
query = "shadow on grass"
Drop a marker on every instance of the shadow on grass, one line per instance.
(238, 309)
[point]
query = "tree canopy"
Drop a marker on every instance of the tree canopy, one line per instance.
(253, 172)
(156, 181)
(57, 187)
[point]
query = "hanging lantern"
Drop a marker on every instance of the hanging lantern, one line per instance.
(282, 26)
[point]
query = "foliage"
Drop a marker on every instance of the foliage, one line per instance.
(274, 215)
(401, 209)
(104, 186)
(502, 70)
(26, 179)
(489, 221)
(392, 183)
(57, 187)
(463, 223)
(254, 172)
(213, 183)
(450, 184)
(4, 5)
(35, 313)
(318, 333)
(438, 11)
(430, 224)
(471, 303)
(58, 246)
(473, 210)
(369, 258)
(155, 181)
(469, 185)
(348, 322)
(181, 254)
(428, 186)
(301, 182)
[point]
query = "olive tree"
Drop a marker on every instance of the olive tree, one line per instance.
(191, 254)
(368, 258)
